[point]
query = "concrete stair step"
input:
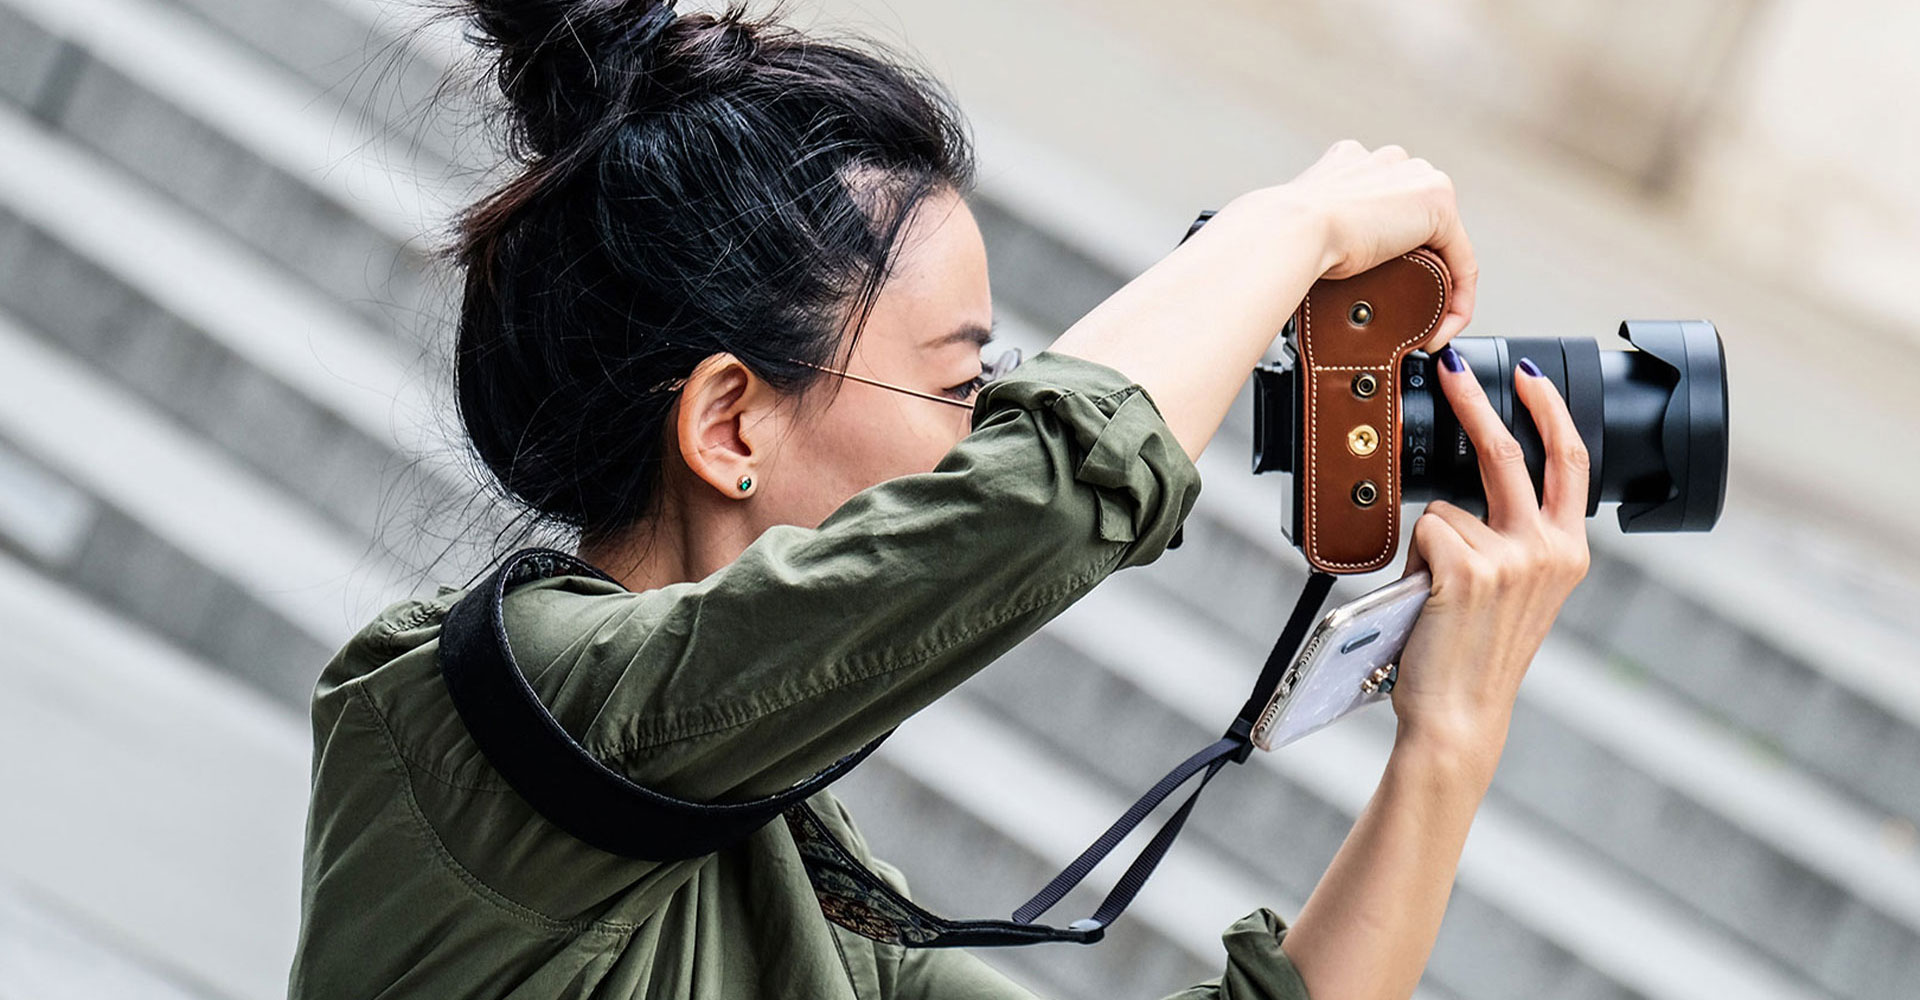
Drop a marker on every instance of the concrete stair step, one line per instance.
(244, 355)
(201, 276)
(153, 848)
(124, 564)
(1762, 847)
(378, 58)
(174, 533)
(265, 156)
(46, 954)
(1758, 630)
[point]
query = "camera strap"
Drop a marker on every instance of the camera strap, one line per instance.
(1235, 746)
(583, 796)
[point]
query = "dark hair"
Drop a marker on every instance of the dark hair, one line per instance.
(689, 185)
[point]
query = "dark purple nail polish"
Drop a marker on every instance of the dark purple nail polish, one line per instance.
(1527, 365)
(1452, 359)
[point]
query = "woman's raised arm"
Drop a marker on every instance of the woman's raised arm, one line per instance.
(1190, 328)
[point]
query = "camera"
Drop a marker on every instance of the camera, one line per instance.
(1654, 420)
(1354, 414)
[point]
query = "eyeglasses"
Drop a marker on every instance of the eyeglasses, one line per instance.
(989, 371)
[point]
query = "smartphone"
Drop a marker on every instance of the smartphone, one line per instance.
(1350, 661)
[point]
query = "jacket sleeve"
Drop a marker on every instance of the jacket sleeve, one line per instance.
(816, 640)
(1256, 967)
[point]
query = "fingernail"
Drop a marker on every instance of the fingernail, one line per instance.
(1527, 365)
(1452, 359)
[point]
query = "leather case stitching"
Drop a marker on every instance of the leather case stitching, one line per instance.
(1391, 437)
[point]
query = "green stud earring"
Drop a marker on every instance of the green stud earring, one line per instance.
(745, 483)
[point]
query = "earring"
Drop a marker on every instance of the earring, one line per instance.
(745, 483)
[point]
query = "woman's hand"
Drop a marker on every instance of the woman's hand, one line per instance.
(1497, 584)
(1375, 205)
(1369, 926)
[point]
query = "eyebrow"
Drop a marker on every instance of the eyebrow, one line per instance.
(980, 335)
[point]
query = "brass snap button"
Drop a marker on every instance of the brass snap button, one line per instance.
(1365, 385)
(1365, 493)
(1362, 440)
(1361, 314)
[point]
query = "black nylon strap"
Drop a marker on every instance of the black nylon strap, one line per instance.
(1209, 760)
(1233, 747)
(552, 771)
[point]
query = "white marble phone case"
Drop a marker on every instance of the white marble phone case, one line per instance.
(1347, 663)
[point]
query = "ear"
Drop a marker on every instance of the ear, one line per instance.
(720, 423)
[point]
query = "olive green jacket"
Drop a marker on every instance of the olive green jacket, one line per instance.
(427, 876)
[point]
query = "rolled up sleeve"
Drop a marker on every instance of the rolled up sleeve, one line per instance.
(1256, 967)
(816, 640)
(1126, 453)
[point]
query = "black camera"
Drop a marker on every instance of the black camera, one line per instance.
(1354, 413)
(1654, 420)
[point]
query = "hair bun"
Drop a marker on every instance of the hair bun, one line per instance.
(564, 65)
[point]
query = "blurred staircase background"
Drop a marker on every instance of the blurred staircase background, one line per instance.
(224, 443)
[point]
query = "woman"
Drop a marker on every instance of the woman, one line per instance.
(726, 325)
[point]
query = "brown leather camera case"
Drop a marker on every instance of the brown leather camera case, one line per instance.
(1347, 328)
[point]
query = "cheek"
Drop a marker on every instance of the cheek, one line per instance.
(900, 442)
(859, 446)
(919, 444)
(957, 426)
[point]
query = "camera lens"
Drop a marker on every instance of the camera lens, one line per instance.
(1654, 421)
